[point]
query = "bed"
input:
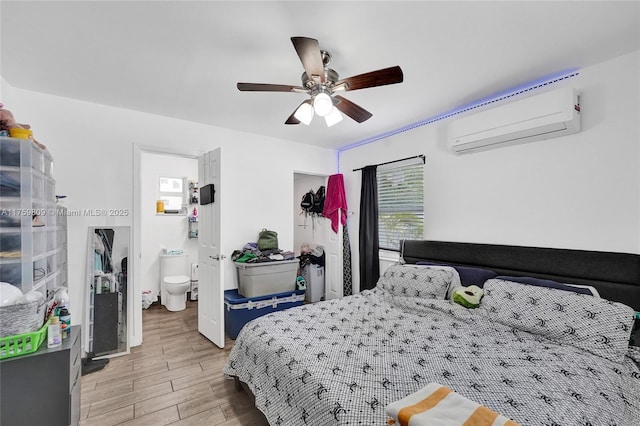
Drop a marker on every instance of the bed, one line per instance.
(533, 352)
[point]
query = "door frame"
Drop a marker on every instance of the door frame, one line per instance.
(333, 263)
(134, 314)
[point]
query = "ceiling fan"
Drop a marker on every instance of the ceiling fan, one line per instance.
(322, 84)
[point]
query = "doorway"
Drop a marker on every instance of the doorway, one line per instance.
(153, 231)
(317, 231)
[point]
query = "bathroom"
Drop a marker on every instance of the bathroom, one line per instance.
(168, 232)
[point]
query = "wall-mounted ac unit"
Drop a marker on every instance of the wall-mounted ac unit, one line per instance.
(548, 115)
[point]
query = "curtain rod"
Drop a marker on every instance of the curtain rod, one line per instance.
(421, 156)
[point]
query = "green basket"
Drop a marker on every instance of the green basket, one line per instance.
(21, 344)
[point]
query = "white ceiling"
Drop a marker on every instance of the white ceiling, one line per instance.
(183, 59)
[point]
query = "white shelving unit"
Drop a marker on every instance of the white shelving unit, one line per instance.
(33, 229)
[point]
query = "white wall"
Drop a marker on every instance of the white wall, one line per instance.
(162, 231)
(93, 145)
(580, 191)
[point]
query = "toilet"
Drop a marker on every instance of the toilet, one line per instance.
(175, 281)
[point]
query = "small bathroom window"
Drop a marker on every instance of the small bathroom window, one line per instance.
(172, 191)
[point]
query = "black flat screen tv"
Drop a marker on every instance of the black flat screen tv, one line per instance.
(206, 194)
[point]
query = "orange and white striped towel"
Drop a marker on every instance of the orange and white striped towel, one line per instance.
(437, 405)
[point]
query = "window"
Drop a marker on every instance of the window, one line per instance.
(172, 192)
(400, 203)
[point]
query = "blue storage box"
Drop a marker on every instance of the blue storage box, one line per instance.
(240, 310)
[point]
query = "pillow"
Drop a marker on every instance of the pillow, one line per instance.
(552, 284)
(468, 275)
(469, 297)
(596, 325)
(416, 281)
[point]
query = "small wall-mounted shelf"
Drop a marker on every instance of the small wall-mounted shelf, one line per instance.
(193, 227)
(194, 196)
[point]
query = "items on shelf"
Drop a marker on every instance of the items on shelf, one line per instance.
(61, 298)
(174, 251)
(104, 283)
(194, 197)
(193, 223)
(60, 308)
(54, 335)
(10, 127)
(65, 322)
(37, 221)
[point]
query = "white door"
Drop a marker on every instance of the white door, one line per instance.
(332, 242)
(210, 268)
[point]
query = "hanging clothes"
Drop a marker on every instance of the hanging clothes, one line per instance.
(347, 286)
(104, 249)
(335, 201)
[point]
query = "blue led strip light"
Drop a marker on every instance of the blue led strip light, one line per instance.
(514, 91)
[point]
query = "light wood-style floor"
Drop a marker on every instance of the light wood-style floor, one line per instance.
(174, 378)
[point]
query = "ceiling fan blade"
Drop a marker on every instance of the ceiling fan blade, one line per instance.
(264, 87)
(308, 50)
(391, 75)
(292, 119)
(354, 111)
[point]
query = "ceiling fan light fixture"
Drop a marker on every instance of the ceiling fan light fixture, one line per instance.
(334, 117)
(322, 83)
(322, 104)
(304, 113)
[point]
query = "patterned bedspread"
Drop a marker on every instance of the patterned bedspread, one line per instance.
(340, 362)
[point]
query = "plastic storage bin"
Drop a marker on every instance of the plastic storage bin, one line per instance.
(259, 279)
(11, 244)
(240, 310)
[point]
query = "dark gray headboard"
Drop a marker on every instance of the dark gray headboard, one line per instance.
(616, 276)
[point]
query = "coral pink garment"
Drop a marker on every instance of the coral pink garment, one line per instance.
(335, 200)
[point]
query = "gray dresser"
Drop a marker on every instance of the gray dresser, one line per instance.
(42, 388)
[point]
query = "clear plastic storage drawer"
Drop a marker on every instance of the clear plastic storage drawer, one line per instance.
(11, 273)
(10, 152)
(9, 183)
(10, 245)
